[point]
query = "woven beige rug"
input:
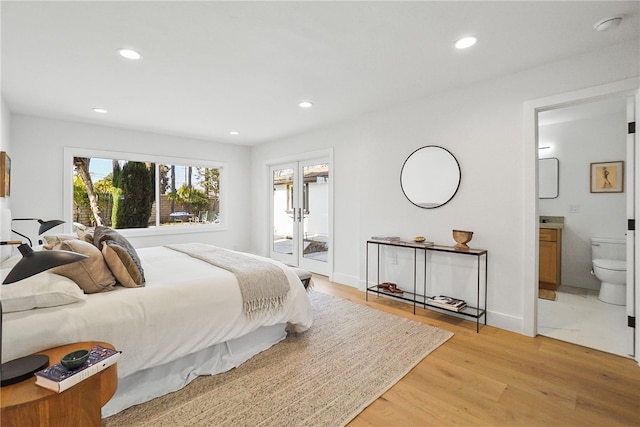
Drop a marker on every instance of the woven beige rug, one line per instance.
(324, 377)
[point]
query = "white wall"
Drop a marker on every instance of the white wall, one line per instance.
(38, 146)
(482, 125)
(576, 144)
(5, 202)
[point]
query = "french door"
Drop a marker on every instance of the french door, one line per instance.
(300, 214)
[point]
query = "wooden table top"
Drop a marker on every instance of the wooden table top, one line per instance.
(26, 391)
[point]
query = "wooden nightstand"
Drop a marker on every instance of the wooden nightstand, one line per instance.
(25, 404)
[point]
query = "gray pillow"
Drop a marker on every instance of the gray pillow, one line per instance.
(124, 250)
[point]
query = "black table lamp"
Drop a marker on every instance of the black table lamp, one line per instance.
(31, 263)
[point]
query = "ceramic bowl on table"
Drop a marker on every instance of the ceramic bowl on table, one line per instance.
(462, 238)
(75, 359)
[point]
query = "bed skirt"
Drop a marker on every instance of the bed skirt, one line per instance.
(146, 385)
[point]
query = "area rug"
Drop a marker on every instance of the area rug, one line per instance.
(547, 294)
(324, 377)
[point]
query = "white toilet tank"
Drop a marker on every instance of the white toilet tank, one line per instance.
(608, 248)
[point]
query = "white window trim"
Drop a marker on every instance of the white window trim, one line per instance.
(71, 152)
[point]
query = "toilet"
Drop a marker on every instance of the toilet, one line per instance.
(608, 258)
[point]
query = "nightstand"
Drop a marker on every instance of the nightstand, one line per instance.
(25, 404)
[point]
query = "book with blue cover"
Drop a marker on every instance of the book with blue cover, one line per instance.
(58, 378)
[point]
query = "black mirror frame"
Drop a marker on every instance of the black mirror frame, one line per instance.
(452, 195)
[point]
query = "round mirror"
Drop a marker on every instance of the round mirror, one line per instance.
(430, 176)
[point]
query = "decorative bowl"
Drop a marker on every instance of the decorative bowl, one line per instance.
(419, 239)
(75, 359)
(462, 238)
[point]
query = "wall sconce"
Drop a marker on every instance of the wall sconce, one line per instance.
(31, 264)
(44, 226)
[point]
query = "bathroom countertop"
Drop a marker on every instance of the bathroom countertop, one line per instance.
(555, 222)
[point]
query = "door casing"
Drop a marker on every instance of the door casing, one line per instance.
(628, 87)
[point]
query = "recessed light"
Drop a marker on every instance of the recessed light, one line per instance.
(465, 42)
(100, 110)
(305, 104)
(129, 54)
(234, 132)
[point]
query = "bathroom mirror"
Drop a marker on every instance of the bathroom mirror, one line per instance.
(548, 178)
(430, 176)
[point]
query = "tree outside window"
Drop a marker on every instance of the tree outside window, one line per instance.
(133, 194)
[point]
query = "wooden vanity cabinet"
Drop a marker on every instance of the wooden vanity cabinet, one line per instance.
(549, 261)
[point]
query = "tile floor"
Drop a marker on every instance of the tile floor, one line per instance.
(579, 317)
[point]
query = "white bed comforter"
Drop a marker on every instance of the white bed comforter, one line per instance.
(186, 306)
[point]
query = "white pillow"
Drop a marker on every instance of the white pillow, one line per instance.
(45, 289)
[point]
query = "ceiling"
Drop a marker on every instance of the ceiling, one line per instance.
(209, 68)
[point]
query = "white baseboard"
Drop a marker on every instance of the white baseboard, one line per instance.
(344, 279)
(506, 322)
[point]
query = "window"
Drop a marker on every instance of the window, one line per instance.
(122, 191)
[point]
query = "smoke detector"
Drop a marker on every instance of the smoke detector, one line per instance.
(607, 23)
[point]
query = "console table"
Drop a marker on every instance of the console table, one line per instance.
(419, 296)
(25, 404)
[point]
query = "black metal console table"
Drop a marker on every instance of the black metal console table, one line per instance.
(420, 296)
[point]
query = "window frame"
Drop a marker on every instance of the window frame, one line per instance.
(156, 230)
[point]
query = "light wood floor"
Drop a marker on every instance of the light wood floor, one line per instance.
(499, 378)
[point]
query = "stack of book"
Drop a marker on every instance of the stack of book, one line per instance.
(448, 303)
(58, 378)
(386, 238)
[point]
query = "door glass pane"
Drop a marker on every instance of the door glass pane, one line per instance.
(283, 210)
(315, 207)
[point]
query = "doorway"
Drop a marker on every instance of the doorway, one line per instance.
(300, 219)
(581, 132)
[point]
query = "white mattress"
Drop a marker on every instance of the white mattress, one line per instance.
(186, 306)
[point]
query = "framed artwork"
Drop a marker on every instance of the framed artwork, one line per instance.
(607, 177)
(5, 174)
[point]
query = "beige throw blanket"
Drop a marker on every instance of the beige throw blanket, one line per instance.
(263, 285)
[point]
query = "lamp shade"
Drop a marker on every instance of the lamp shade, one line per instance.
(35, 262)
(48, 225)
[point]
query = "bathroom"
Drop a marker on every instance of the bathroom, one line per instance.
(579, 136)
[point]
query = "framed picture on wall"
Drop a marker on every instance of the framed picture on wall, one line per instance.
(607, 177)
(5, 174)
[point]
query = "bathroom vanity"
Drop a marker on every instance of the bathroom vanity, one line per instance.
(550, 257)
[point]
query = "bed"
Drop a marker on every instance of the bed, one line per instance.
(188, 320)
